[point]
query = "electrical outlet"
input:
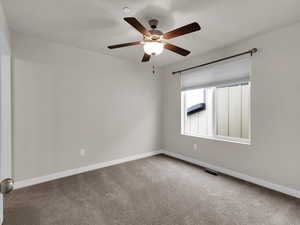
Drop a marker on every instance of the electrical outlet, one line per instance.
(82, 152)
(195, 146)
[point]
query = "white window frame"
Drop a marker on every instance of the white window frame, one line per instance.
(214, 135)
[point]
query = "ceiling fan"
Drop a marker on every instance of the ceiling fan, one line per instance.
(154, 40)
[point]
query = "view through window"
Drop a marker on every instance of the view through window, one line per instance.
(217, 112)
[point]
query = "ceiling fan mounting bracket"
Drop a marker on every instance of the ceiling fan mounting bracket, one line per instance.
(153, 23)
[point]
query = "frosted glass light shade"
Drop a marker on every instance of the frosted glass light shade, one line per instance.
(153, 48)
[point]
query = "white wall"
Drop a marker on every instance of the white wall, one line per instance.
(65, 99)
(274, 153)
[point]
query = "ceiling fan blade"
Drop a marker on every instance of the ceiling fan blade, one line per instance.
(146, 58)
(124, 45)
(177, 49)
(137, 25)
(182, 30)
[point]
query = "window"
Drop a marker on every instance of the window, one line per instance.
(217, 108)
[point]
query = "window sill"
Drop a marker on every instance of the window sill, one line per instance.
(221, 138)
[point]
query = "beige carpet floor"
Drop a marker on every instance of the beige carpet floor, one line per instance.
(157, 190)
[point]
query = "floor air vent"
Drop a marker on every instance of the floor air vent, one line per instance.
(210, 171)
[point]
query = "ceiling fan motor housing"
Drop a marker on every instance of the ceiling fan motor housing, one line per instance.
(155, 35)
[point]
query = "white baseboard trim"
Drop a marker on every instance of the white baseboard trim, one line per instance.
(54, 176)
(260, 182)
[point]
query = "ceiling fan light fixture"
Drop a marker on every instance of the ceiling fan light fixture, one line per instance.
(154, 41)
(153, 48)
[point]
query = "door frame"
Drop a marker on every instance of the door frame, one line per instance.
(5, 117)
(5, 113)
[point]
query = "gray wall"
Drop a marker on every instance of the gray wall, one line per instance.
(65, 99)
(274, 153)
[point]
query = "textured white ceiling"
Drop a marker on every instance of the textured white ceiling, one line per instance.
(95, 24)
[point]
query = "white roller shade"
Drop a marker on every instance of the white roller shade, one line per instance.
(228, 72)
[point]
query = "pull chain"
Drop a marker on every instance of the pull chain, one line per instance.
(153, 70)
